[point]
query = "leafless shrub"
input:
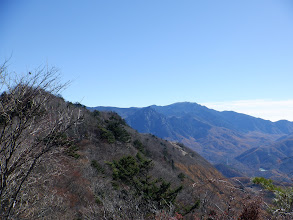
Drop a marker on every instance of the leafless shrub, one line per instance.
(251, 210)
(240, 204)
(32, 123)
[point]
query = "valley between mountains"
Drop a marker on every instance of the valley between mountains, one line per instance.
(237, 144)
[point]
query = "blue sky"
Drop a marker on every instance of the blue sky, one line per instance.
(143, 52)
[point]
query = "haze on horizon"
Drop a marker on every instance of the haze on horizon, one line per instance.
(139, 53)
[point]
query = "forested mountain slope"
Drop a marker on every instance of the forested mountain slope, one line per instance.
(272, 161)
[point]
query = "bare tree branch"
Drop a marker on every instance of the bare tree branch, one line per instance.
(32, 122)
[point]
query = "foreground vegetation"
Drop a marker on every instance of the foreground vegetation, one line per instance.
(60, 161)
(282, 202)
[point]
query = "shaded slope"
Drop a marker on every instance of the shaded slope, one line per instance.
(147, 120)
(228, 171)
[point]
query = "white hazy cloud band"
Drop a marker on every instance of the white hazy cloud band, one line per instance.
(266, 109)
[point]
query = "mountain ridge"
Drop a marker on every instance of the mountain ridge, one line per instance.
(171, 109)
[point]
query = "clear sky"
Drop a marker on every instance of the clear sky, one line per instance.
(142, 52)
